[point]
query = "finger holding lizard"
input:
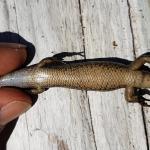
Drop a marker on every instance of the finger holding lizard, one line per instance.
(13, 102)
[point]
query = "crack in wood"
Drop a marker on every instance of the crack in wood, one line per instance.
(27, 130)
(145, 127)
(82, 27)
(131, 27)
(83, 40)
(16, 16)
(92, 126)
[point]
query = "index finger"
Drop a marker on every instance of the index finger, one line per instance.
(12, 56)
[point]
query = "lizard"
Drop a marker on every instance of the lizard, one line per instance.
(90, 75)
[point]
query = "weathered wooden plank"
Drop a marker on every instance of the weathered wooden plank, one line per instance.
(140, 21)
(3, 16)
(61, 118)
(117, 125)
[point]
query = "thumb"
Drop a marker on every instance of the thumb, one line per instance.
(12, 110)
(13, 102)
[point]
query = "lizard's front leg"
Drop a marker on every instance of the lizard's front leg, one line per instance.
(131, 93)
(139, 62)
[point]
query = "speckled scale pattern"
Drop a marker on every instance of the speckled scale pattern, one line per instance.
(88, 76)
(102, 76)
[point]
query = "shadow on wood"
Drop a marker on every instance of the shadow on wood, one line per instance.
(10, 37)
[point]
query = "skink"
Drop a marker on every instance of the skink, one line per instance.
(93, 75)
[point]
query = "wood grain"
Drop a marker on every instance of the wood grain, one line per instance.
(64, 119)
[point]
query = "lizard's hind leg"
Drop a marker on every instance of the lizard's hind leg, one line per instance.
(57, 59)
(132, 95)
(139, 62)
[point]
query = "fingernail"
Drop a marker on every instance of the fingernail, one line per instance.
(12, 110)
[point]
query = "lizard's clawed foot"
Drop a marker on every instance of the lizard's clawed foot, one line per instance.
(142, 100)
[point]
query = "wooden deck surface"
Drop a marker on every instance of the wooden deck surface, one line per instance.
(65, 119)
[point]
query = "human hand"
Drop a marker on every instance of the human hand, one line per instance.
(13, 101)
